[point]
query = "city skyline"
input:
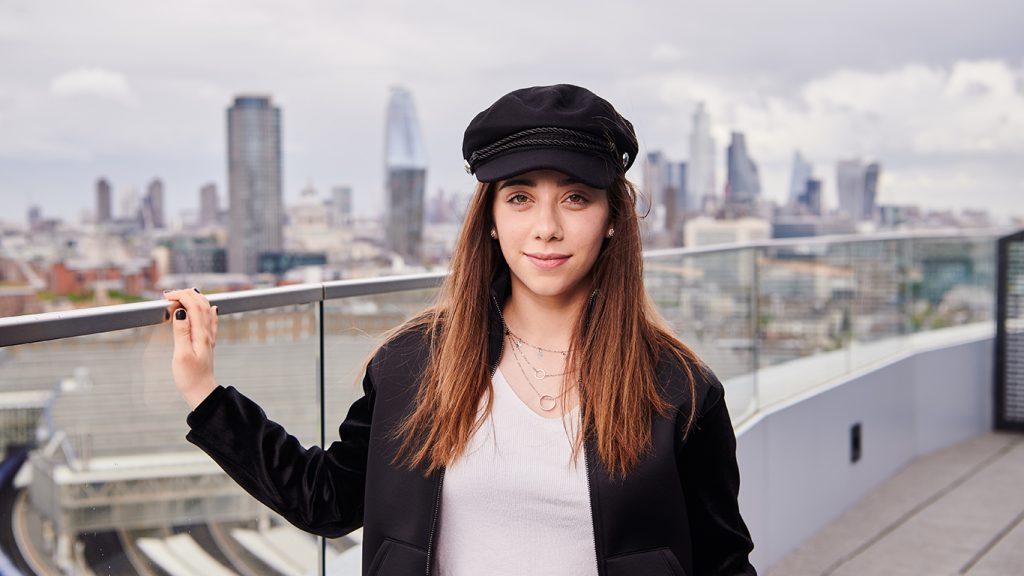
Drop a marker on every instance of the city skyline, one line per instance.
(944, 118)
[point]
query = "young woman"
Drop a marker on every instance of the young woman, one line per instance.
(540, 418)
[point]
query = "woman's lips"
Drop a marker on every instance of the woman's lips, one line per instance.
(547, 262)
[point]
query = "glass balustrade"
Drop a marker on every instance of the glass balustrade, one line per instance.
(111, 483)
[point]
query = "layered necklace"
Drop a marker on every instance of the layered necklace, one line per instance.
(547, 401)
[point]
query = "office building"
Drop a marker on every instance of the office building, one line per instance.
(341, 201)
(104, 202)
(405, 166)
(704, 231)
(700, 172)
(152, 209)
(802, 171)
(655, 184)
(857, 186)
(209, 205)
(255, 203)
(744, 183)
(677, 202)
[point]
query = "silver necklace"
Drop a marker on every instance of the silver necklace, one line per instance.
(547, 401)
(540, 351)
(538, 373)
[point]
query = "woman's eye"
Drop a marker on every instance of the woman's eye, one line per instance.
(518, 199)
(577, 199)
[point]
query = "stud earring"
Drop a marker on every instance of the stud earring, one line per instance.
(611, 232)
(494, 233)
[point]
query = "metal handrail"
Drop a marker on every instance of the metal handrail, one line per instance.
(29, 328)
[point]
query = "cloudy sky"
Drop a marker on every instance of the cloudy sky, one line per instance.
(131, 90)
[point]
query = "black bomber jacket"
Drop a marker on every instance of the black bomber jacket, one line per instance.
(676, 514)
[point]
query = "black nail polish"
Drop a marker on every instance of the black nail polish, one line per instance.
(180, 314)
(197, 290)
(167, 315)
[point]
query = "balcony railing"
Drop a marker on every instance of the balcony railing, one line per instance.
(91, 389)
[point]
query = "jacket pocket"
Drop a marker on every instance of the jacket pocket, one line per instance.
(395, 558)
(657, 562)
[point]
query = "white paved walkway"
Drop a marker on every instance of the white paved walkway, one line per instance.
(958, 511)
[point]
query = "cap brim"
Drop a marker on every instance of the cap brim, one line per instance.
(587, 168)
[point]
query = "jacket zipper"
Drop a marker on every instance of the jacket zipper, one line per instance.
(593, 511)
(440, 479)
(586, 462)
(433, 518)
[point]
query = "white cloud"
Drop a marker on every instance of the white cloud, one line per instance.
(666, 53)
(97, 82)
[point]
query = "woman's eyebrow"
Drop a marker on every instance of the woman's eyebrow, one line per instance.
(518, 182)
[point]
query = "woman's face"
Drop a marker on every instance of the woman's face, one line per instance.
(550, 228)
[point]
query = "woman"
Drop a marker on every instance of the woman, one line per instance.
(539, 418)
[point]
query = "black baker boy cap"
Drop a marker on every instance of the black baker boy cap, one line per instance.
(561, 127)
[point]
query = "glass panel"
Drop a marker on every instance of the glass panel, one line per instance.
(114, 486)
(706, 299)
(952, 285)
(353, 328)
(804, 294)
(879, 318)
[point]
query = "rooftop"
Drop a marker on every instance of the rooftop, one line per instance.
(955, 511)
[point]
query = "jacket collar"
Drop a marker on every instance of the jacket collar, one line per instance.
(501, 288)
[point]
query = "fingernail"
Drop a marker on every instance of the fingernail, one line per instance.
(166, 291)
(197, 290)
(214, 309)
(180, 314)
(167, 315)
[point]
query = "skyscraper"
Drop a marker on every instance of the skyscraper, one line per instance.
(857, 185)
(812, 197)
(655, 177)
(871, 175)
(744, 184)
(405, 165)
(153, 205)
(341, 199)
(104, 203)
(677, 202)
(256, 207)
(801, 174)
(209, 205)
(700, 172)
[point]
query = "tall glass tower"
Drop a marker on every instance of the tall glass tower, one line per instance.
(256, 211)
(744, 182)
(857, 185)
(802, 172)
(700, 171)
(405, 165)
(104, 213)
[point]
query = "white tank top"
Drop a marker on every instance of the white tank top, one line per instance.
(515, 503)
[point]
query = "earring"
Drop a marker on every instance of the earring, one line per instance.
(494, 233)
(611, 232)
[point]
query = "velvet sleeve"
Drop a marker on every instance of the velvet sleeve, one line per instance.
(711, 483)
(319, 491)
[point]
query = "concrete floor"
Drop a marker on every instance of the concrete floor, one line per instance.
(957, 511)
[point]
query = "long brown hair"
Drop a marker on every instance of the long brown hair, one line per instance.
(619, 394)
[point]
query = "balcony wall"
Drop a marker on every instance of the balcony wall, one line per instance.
(795, 458)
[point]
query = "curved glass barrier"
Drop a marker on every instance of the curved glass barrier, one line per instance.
(111, 485)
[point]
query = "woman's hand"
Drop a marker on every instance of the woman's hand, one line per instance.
(194, 323)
